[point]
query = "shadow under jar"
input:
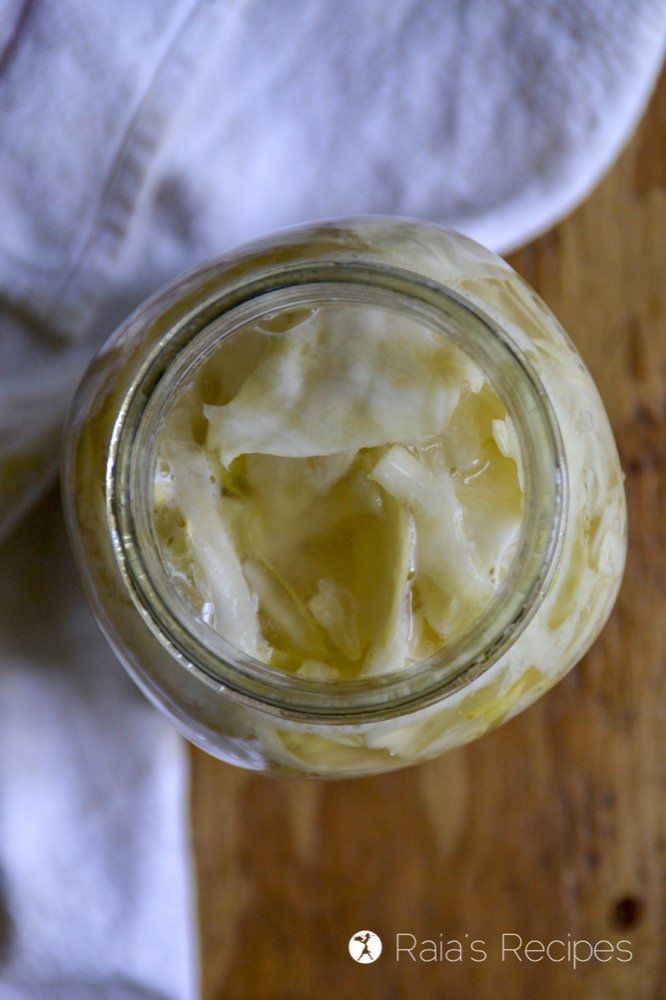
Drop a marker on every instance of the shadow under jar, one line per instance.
(345, 498)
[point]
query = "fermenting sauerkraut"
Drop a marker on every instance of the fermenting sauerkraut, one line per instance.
(334, 492)
(310, 532)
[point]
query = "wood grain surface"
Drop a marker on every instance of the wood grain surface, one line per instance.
(551, 826)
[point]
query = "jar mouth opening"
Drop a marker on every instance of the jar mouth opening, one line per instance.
(130, 474)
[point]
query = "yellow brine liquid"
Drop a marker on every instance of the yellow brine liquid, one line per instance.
(338, 491)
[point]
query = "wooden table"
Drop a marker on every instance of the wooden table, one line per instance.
(553, 825)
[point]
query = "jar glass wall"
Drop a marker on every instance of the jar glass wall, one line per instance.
(566, 563)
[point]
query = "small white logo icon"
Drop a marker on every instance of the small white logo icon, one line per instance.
(365, 947)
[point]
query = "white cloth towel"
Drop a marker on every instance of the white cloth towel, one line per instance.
(95, 897)
(135, 139)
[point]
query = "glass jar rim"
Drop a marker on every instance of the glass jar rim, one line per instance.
(202, 651)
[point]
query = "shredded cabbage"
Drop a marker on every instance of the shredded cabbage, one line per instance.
(346, 378)
(335, 494)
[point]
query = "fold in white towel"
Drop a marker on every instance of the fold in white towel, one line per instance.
(134, 140)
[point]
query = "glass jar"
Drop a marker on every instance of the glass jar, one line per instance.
(553, 602)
